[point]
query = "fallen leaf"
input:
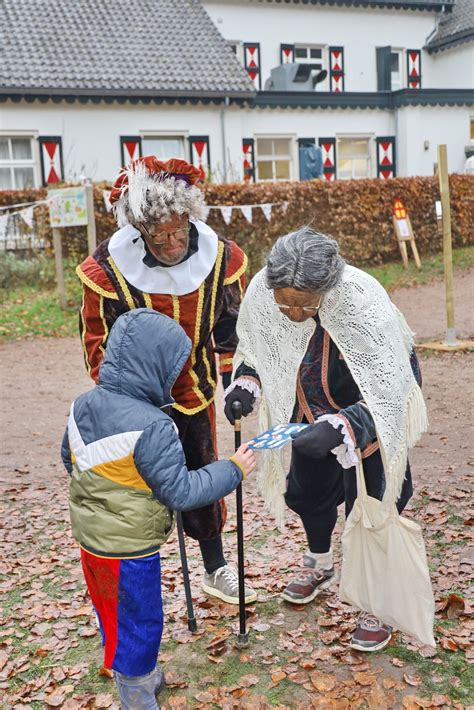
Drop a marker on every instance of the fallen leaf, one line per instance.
(364, 678)
(277, 677)
(246, 681)
(324, 682)
(414, 680)
(448, 644)
(398, 663)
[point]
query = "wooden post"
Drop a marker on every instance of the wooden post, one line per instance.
(91, 231)
(447, 243)
(58, 258)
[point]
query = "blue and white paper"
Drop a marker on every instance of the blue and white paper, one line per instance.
(276, 437)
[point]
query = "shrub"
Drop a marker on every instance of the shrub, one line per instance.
(358, 213)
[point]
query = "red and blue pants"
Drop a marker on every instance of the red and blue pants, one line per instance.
(126, 595)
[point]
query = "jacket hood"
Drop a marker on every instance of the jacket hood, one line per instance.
(145, 353)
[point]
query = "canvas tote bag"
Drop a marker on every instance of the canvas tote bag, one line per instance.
(384, 567)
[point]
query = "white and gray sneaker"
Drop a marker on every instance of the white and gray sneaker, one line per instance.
(224, 584)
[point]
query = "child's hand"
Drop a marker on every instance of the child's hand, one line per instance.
(245, 457)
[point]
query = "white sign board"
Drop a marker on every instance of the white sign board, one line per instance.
(403, 229)
(68, 207)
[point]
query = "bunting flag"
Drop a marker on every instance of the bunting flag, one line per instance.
(205, 213)
(267, 211)
(247, 212)
(27, 216)
(226, 212)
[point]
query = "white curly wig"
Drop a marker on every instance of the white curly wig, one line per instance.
(156, 198)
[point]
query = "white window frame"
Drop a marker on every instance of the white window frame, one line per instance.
(292, 155)
(181, 135)
(33, 162)
(402, 58)
(372, 161)
(240, 48)
(323, 85)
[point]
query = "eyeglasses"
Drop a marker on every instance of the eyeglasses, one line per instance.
(153, 233)
(307, 310)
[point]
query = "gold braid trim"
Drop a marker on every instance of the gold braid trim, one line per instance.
(226, 361)
(104, 323)
(123, 285)
(197, 332)
(147, 298)
(217, 271)
(194, 410)
(94, 287)
(175, 301)
(238, 273)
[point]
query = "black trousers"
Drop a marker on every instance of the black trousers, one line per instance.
(316, 487)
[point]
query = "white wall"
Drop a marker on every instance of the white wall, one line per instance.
(451, 69)
(358, 30)
(437, 125)
(90, 133)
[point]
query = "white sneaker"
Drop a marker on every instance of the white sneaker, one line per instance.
(224, 584)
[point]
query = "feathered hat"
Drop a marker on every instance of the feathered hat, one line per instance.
(150, 190)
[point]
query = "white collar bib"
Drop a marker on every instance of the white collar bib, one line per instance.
(127, 249)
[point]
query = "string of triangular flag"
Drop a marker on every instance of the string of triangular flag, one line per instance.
(26, 214)
(247, 210)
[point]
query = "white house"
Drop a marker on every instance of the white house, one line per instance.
(248, 89)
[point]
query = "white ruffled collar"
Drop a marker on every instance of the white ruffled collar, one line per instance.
(128, 252)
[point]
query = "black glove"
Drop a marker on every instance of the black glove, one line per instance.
(317, 440)
(238, 394)
(226, 379)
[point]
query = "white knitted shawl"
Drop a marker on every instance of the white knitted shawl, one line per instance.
(375, 341)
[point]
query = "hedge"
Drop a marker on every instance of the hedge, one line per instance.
(358, 213)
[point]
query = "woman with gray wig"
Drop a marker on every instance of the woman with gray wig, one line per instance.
(321, 343)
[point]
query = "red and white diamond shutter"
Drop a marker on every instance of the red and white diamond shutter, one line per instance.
(386, 165)
(199, 154)
(287, 53)
(252, 62)
(130, 148)
(336, 69)
(414, 68)
(328, 148)
(51, 149)
(248, 156)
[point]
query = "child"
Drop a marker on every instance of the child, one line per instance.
(128, 474)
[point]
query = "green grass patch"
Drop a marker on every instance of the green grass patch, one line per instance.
(438, 677)
(394, 275)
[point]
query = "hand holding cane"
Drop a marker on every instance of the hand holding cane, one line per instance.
(242, 637)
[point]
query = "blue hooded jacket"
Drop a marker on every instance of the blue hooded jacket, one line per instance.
(127, 465)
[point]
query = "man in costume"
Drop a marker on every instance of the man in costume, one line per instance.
(320, 342)
(165, 258)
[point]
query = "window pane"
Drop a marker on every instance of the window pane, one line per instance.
(4, 155)
(360, 168)
(316, 53)
(353, 147)
(344, 169)
(24, 177)
(264, 169)
(5, 179)
(264, 146)
(301, 52)
(163, 147)
(282, 169)
(281, 146)
(21, 148)
(394, 62)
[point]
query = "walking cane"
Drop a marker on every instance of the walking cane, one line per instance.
(192, 625)
(242, 637)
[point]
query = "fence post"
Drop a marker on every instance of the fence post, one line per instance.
(91, 230)
(58, 258)
(447, 243)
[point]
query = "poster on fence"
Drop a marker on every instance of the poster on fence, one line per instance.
(68, 207)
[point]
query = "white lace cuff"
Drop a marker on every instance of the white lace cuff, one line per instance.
(345, 452)
(245, 384)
